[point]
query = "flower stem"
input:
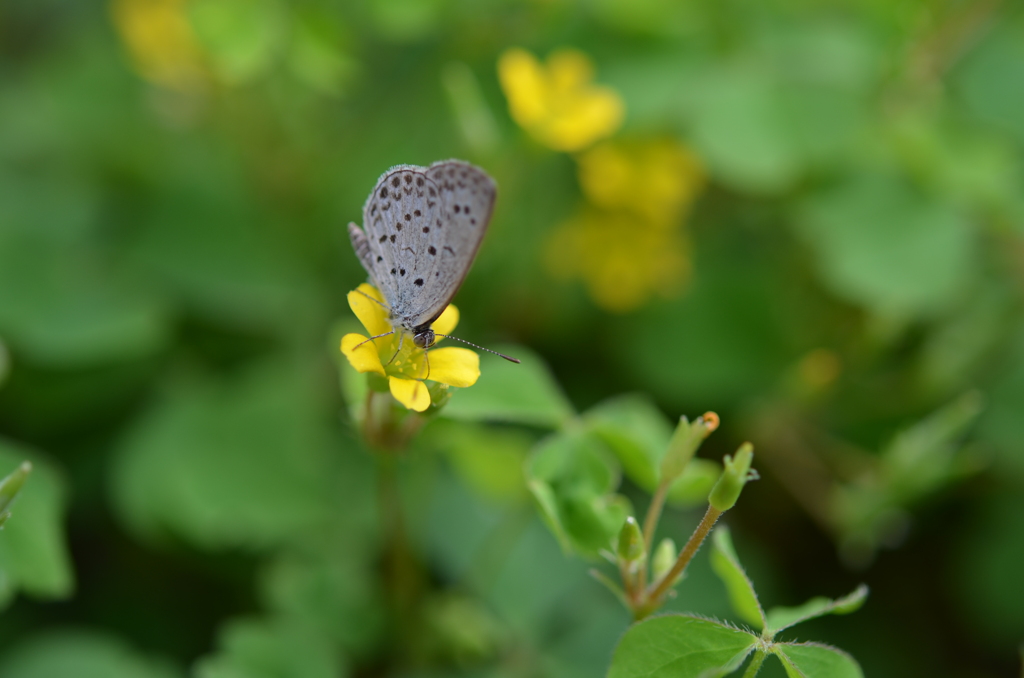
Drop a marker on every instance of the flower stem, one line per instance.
(402, 576)
(660, 588)
(654, 515)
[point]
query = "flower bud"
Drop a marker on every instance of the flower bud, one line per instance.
(685, 441)
(735, 475)
(631, 541)
(440, 394)
(664, 558)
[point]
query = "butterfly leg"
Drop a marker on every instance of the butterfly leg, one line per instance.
(379, 303)
(401, 338)
(426, 359)
(371, 339)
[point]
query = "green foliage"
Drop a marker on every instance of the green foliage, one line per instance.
(175, 179)
(573, 478)
(928, 252)
(86, 654)
(682, 645)
(33, 551)
(521, 394)
(917, 462)
(678, 645)
(258, 649)
(239, 463)
(639, 435)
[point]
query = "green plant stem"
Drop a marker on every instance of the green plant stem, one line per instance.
(660, 588)
(627, 584)
(402, 576)
(650, 526)
(755, 664)
(654, 515)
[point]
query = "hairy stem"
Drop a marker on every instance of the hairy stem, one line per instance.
(654, 515)
(661, 587)
(755, 664)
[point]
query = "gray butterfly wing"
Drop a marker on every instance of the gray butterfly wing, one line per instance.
(397, 218)
(467, 200)
(423, 228)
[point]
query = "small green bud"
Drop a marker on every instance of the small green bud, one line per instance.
(735, 475)
(687, 438)
(664, 558)
(9, 488)
(440, 394)
(631, 541)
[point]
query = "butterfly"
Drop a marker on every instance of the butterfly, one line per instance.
(424, 226)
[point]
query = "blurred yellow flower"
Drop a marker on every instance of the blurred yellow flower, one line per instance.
(558, 103)
(406, 374)
(622, 260)
(160, 41)
(658, 179)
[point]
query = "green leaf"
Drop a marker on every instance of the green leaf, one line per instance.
(524, 394)
(329, 586)
(239, 462)
(223, 259)
(992, 78)
(636, 431)
(693, 486)
(82, 654)
(780, 618)
(547, 504)
(680, 646)
(61, 307)
(739, 587)
(274, 648)
(740, 128)
(488, 459)
(881, 244)
(814, 660)
(33, 552)
(573, 478)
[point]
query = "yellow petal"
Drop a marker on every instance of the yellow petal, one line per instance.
(568, 69)
(371, 314)
(447, 321)
(590, 116)
(410, 392)
(454, 366)
(522, 80)
(364, 358)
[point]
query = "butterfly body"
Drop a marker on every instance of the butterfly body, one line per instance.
(423, 227)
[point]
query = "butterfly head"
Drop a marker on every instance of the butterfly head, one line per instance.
(423, 337)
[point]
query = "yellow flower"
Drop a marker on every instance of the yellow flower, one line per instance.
(623, 260)
(558, 103)
(161, 42)
(408, 370)
(658, 179)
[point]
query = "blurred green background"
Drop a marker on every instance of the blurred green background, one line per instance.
(808, 217)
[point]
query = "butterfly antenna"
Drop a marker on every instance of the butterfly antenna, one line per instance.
(508, 358)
